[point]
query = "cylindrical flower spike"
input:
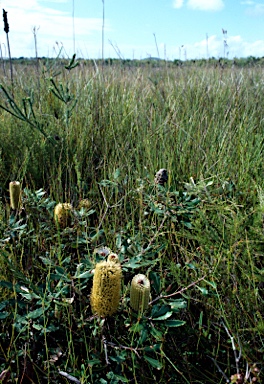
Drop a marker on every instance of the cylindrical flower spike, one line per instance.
(15, 192)
(63, 214)
(139, 292)
(106, 288)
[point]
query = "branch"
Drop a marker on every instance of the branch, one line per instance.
(177, 292)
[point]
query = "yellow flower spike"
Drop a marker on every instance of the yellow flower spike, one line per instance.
(63, 214)
(105, 295)
(139, 292)
(15, 192)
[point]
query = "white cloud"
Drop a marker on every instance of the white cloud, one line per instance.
(206, 5)
(256, 10)
(237, 47)
(177, 3)
(52, 26)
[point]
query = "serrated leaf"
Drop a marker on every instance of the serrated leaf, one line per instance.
(153, 362)
(174, 323)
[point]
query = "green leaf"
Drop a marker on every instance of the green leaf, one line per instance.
(154, 347)
(178, 304)
(211, 283)
(117, 173)
(29, 296)
(174, 323)
(158, 335)
(158, 311)
(155, 281)
(38, 327)
(56, 276)
(4, 315)
(35, 314)
(143, 336)
(6, 284)
(94, 362)
(121, 379)
(164, 317)
(136, 327)
(203, 290)
(3, 304)
(155, 363)
(84, 275)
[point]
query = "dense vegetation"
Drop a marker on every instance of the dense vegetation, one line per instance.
(100, 132)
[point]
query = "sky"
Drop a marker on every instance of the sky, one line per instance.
(134, 29)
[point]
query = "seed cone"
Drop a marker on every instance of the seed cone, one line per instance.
(14, 191)
(106, 288)
(63, 214)
(139, 292)
(85, 203)
(161, 176)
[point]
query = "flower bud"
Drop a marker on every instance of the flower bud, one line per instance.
(139, 292)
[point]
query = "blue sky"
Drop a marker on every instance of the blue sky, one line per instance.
(170, 29)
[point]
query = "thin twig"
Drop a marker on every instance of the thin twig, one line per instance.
(135, 350)
(69, 377)
(177, 292)
(105, 349)
(219, 369)
(156, 234)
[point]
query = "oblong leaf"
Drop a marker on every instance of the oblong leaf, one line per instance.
(174, 323)
(155, 363)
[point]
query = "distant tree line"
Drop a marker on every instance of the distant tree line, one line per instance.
(249, 61)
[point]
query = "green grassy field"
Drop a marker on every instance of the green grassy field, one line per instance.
(101, 134)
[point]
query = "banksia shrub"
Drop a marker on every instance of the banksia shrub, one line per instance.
(63, 214)
(106, 288)
(161, 177)
(139, 292)
(14, 191)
